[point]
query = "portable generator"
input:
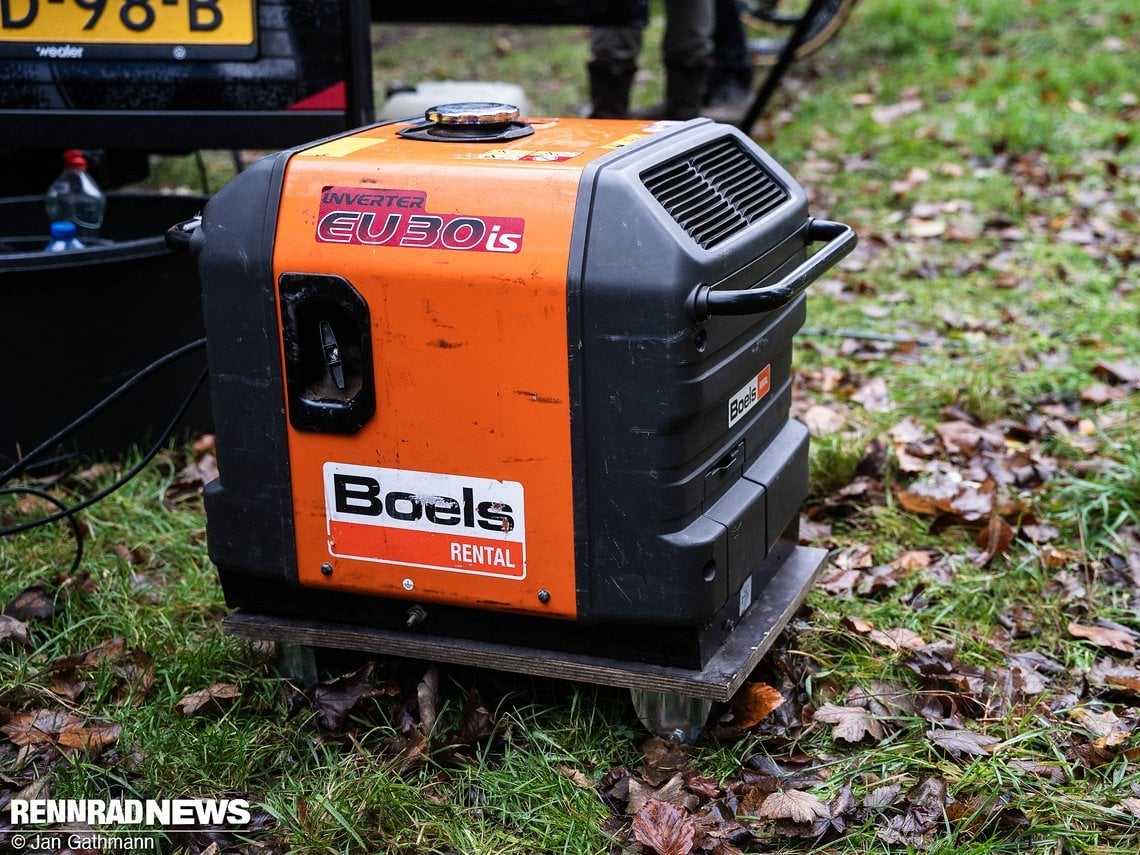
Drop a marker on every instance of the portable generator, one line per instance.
(513, 392)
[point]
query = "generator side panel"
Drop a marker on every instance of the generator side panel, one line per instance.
(673, 412)
(249, 506)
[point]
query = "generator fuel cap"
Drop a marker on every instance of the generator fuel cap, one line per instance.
(469, 121)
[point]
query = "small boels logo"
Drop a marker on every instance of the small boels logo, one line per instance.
(426, 519)
(748, 397)
(400, 218)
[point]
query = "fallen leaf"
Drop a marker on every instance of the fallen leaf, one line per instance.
(994, 540)
(212, 699)
(703, 786)
(850, 724)
(335, 699)
(577, 777)
(1101, 393)
(663, 828)
(672, 791)
(796, 805)
(663, 760)
(60, 728)
(475, 722)
(91, 737)
(886, 114)
(136, 673)
(32, 603)
(899, 638)
(427, 698)
(920, 228)
(873, 395)
(1120, 372)
(820, 420)
(90, 658)
(960, 742)
(67, 685)
(882, 797)
(31, 728)
(1040, 533)
(1130, 805)
(1101, 636)
(12, 629)
(753, 703)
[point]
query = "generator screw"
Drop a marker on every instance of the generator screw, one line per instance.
(416, 614)
(544, 596)
(408, 584)
(729, 625)
(326, 569)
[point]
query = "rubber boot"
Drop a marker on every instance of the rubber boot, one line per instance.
(684, 93)
(610, 83)
(685, 89)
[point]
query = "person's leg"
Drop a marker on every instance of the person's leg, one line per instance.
(730, 82)
(612, 65)
(687, 52)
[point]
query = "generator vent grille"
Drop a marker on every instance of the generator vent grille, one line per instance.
(714, 191)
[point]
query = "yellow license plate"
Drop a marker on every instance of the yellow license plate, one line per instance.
(170, 29)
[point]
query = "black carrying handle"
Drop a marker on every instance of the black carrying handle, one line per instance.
(841, 239)
(187, 237)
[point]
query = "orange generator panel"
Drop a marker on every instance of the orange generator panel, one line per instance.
(521, 381)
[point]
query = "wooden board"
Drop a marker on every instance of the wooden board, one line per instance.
(717, 681)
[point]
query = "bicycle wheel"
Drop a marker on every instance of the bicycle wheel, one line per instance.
(768, 24)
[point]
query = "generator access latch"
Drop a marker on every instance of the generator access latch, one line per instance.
(469, 121)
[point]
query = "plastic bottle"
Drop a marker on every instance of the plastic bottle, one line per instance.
(75, 196)
(63, 237)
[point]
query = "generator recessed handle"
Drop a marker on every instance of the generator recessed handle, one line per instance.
(841, 239)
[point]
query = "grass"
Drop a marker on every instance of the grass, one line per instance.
(1026, 135)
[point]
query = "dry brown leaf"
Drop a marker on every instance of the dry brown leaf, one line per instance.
(31, 728)
(12, 629)
(994, 539)
(873, 395)
(858, 625)
(672, 791)
(898, 638)
(820, 420)
(850, 724)
(92, 737)
(796, 805)
(665, 829)
(67, 685)
(959, 742)
(885, 114)
(60, 728)
(427, 698)
(1130, 805)
(335, 699)
(213, 699)
(882, 796)
(915, 559)
(34, 603)
(576, 777)
(1102, 636)
(92, 657)
(136, 675)
(753, 703)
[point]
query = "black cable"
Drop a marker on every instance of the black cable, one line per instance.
(20, 465)
(76, 528)
(127, 476)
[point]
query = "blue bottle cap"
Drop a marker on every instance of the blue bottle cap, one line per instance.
(63, 230)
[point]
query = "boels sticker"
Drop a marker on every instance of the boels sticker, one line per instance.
(740, 404)
(426, 519)
(400, 218)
